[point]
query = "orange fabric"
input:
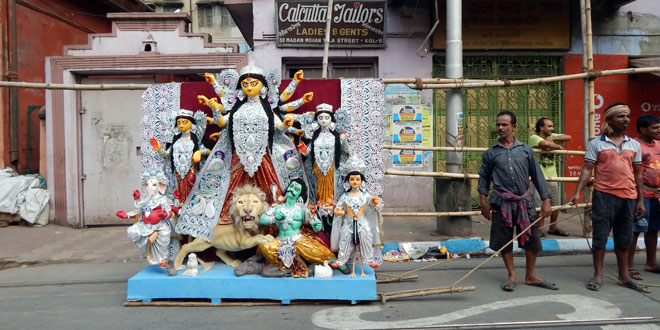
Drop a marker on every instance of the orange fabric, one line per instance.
(325, 193)
(263, 178)
(614, 173)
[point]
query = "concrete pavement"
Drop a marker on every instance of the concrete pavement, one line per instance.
(57, 244)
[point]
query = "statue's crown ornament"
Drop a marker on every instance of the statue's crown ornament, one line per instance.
(184, 113)
(324, 107)
(157, 174)
(354, 164)
(251, 68)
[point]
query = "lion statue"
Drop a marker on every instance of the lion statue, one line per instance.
(245, 208)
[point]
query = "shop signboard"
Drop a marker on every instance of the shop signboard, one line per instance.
(510, 24)
(355, 24)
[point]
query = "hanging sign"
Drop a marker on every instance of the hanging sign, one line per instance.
(355, 24)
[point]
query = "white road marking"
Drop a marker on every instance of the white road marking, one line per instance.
(349, 317)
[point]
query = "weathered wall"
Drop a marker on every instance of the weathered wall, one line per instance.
(43, 28)
(633, 31)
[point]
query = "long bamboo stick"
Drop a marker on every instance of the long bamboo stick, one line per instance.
(467, 176)
(495, 83)
(536, 81)
(79, 87)
(384, 297)
(476, 149)
(470, 213)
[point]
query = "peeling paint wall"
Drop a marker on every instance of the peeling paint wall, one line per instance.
(633, 31)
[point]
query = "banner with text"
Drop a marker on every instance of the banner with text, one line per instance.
(355, 24)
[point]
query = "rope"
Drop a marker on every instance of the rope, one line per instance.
(440, 262)
(418, 84)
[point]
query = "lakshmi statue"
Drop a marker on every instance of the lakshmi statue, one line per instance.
(355, 223)
(291, 248)
(252, 148)
(327, 148)
(185, 151)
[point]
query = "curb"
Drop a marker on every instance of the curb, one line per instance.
(550, 246)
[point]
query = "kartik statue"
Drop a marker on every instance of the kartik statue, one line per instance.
(357, 220)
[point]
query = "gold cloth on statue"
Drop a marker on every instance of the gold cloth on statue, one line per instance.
(306, 248)
(263, 178)
(325, 184)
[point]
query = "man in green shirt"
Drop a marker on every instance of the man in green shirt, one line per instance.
(547, 140)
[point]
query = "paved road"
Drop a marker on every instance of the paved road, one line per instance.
(91, 296)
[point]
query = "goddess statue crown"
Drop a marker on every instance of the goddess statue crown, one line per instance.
(184, 112)
(354, 164)
(324, 107)
(252, 69)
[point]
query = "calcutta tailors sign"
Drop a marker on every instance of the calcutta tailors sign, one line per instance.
(354, 24)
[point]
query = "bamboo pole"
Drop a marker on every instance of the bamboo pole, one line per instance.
(384, 297)
(495, 83)
(536, 81)
(467, 176)
(589, 95)
(432, 80)
(397, 279)
(79, 87)
(476, 149)
(470, 213)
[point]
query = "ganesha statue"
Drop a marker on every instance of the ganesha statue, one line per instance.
(155, 217)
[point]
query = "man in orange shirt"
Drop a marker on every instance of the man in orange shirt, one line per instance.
(617, 198)
(648, 127)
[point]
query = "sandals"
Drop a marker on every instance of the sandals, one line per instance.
(635, 286)
(595, 283)
(545, 284)
(635, 274)
(652, 270)
(508, 286)
(558, 232)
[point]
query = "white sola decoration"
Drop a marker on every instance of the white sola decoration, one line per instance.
(362, 102)
(159, 103)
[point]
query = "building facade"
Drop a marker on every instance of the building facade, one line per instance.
(207, 16)
(32, 30)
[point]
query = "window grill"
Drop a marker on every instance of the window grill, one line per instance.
(481, 105)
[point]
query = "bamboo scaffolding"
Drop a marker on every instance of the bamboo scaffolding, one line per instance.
(593, 74)
(471, 84)
(470, 213)
(384, 297)
(467, 176)
(589, 94)
(77, 87)
(476, 149)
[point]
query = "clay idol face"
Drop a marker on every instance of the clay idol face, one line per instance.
(324, 119)
(251, 86)
(355, 181)
(183, 124)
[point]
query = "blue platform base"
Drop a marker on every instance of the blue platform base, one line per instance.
(221, 283)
